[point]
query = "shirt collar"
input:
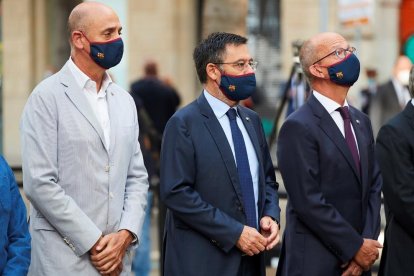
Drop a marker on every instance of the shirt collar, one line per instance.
(83, 80)
(329, 104)
(219, 108)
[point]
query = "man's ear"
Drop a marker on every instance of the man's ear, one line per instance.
(77, 41)
(212, 71)
(316, 71)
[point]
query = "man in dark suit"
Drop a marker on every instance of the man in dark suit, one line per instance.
(392, 96)
(326, 158)
(395, 152)
(217, 178)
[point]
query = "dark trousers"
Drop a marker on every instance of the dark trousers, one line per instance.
(249, 266)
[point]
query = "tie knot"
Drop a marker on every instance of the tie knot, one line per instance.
(231, 113)
(344, 111)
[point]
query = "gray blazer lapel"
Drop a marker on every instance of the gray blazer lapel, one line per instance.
(74, 92)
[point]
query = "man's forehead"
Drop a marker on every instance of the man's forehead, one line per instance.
(237, 51)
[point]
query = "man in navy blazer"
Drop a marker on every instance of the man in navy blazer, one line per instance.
(213, 226)
(326, 157)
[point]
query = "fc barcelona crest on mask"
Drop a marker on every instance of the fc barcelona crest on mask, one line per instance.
(339, 75)
(232, 87)
(100, 55)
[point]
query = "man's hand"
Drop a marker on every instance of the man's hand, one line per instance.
(367, 254)
(270, 230)
(353, 269)
(251, 242)
(111, 250)
(93, 250)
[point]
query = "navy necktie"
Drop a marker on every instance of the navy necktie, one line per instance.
(243, 170)
(349, 136)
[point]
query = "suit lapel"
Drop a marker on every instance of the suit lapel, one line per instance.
(362, 147)
(220, 139)
(327, 124)
(74, 92)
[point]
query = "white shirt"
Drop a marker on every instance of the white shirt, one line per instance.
(97, 100)
(402, 93)
(331, 106)
(220, 109)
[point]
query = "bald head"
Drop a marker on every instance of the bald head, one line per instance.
(86, 15)
(317, 47)
(403, 63)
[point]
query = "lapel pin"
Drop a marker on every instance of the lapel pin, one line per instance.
(357, 121)
(247, 119)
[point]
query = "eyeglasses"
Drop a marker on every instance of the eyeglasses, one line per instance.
(341, 53)
(240, 65)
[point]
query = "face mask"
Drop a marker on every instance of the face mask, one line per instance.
(345, 72)
(107, 54)
(404, 77)
(238, 88)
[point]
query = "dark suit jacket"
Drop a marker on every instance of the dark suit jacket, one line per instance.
(384, 105)
(330, 208)
(200, 187)
(395, 152)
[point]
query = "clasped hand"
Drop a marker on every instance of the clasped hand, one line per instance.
(108, 252)
(252, 242)
(364, 258)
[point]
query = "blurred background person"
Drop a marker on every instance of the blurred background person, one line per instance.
(392, 96)
(369, 92)
(395, 152)
(156, 100)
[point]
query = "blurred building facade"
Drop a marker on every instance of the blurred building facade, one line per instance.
(34, 41)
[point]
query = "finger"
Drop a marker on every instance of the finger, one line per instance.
(273, 232)
(273, 243)
(377, 244)
(111, 269)
(103, 242)
(265, 223)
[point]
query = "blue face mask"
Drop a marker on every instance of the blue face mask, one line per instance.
(345, 72)
(107, 54)
(238, 88)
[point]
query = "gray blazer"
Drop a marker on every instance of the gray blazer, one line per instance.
(78, 188)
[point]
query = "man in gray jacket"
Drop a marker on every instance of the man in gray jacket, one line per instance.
(82, 164)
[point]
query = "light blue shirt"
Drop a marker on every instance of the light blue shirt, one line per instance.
(220, 109)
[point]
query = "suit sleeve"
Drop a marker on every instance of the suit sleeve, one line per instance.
(372, 225)
(394, 152)
(18, 237)
(271, 207)
(298, 160)
(40, 174)
(178, 177)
